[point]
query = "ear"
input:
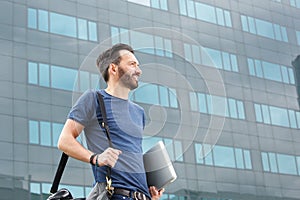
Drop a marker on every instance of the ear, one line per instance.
(113, 68)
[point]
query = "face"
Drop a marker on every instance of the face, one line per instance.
(128, 70)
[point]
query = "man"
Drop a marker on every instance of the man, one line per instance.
(126, 120)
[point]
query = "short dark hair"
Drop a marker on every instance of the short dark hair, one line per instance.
(111, 55)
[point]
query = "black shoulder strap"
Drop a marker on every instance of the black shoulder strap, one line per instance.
(64, 157)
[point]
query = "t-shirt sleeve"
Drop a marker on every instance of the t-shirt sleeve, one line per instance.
(84, 108)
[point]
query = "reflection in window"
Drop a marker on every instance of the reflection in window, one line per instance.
(277, 116)
(142, 42)
(159, 4)
(155, 94)
(174, 147)
(223, 156)
(271, 71)
(211, 57)
(264, 28)
(216, 105)
(56, 23)
(205, 12)
(61, 77)
(280, 163)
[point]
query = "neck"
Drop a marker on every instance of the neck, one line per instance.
(117, 92)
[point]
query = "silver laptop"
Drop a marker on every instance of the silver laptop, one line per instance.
(158, 166)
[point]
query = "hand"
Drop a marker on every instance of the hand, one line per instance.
(156, 194)
(109, 157)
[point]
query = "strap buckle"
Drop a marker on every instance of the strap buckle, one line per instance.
(139, 196)
(109, 188)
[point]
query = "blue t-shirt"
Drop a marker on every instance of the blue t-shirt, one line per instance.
(126, 121)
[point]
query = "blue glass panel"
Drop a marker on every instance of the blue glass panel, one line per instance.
(164, 4)
(82, 29)
(95, 84)
(182, 7)
(284, 34)
(273, 162)
(277, 31)
(298, 37)
(32, 18)
(56, 130)
(232, 108)
(206, 13)
(265, 161)
(264, 28)
(244, 23)
(35, 188)
(239, 158)
(224, 156)
(43, 20)
(155, 4)
(209, 104)
(227, 18)
(198, 153)
(215, 57)
(191, 8)
(258, 69)
(63, 78)
(46, 188)
(163, 96)
(147, 93)
(169, 147)
(159, 46)
(142, 42)
(241, 111)
(286, 164)
(124, 36)
(218, 105)
(63, 25)
(45, 133)
(33, 132)
(292, 117)
(279, 116)
(149, 142)
(44, 73)
(173, 98)
(178, 150)
(220, 17)
(298, 119)
(193, 101)
(298, 164)
(251, 23)
(226, 61)
(92, 31)
(84, 81)
(168, 48)
(266, 114)
(258, 113)
(251, 67)
(291, 74)
(271, 71)
(202, 103)
(114, 31)
(187, 52)
(32, 73)
(208, 157)
(293, 3)
(247, 157)
(285, 75)
(196, 54)
(234, 64)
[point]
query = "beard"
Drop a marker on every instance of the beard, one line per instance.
(127, 79)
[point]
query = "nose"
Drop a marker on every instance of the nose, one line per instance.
(138, 70)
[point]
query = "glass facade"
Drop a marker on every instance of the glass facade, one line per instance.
(218, 88)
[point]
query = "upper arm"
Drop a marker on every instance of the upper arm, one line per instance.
(72, 128)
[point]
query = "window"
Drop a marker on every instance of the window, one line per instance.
(143, 42)
(60, 24)
(211, 57)
(264, 28)
(223, 156)
(295, 3)
(298, 37)
(61, 77)
(270, 71)
(277, 116)
(159, 4)
(205, 12)
(155, 94)
(280, 163)
(216, 105)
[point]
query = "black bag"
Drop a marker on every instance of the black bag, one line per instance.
(102, 193)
